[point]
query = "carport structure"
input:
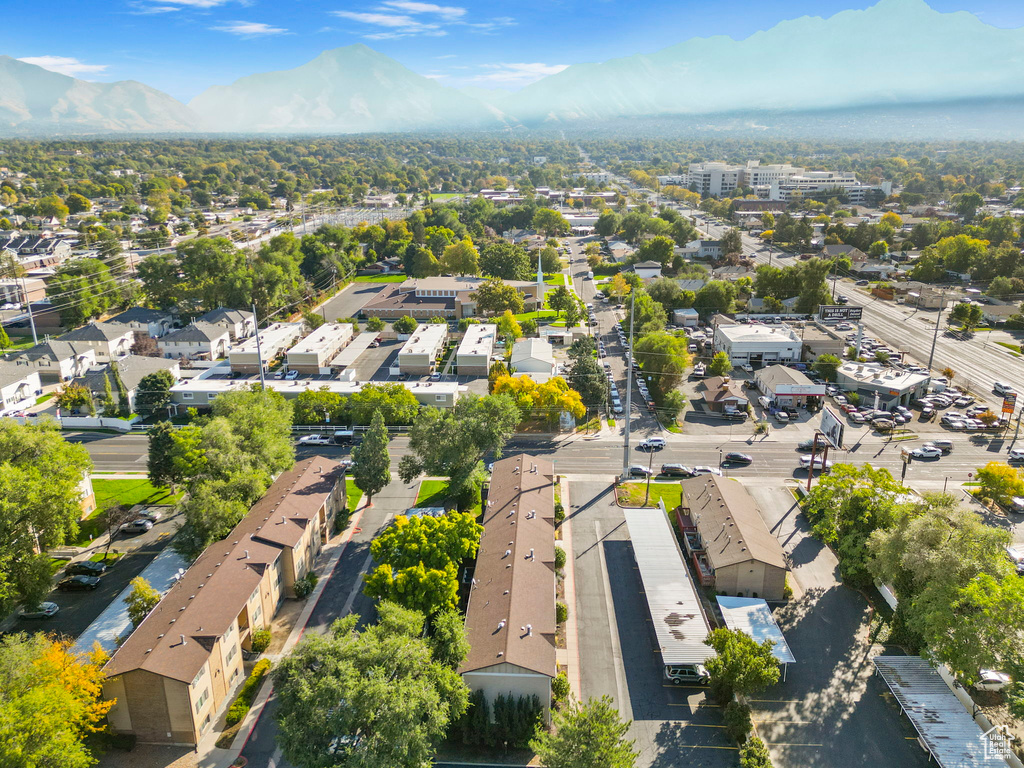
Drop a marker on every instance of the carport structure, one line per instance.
(753, 616)
(944, 726)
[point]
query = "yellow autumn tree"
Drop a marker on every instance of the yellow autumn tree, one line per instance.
(49, 701)
(547, 400)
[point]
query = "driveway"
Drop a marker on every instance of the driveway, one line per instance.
(831, 710)
(672, 726)
(352, 299)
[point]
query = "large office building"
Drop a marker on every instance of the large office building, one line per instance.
(758, 344)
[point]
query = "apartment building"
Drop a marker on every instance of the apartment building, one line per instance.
(181, 666)
(510, 618)
(109, 340)
(269, 344)
(19, 388)
(314, 353)
(154, 322)
(474, 354)
(420, 353)
(55, 360)
(196, 341)
(238, 323)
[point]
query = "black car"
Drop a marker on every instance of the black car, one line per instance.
(78, 583)
(677, 470)
(86, 568)
(737, 458)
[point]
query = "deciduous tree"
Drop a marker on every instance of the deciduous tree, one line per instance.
(372, 469)
(154, 393)
(494, 297)
(741, 665)
(141, 599)
(585, 736)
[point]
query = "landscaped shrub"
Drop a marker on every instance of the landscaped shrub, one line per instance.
(561, 612)
(738, 723)
(559, 513)
(304, 587)
(754, 754)
(260, 640)
(559, 558)
(560, 688)
(240, 706)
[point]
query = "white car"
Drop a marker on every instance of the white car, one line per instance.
(926, 452)
(43, 611)
(1015, 454)
(315, 440)
(819, 462)
(652, 444)
(991, 680)
(292, 375)
(707, 471)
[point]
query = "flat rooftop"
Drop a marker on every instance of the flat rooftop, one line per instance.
(293, 388)
(355, 348)
(867, 373)
(479, 339)
(425, 339)
(323, 337)
(270, 336)
(755, 334)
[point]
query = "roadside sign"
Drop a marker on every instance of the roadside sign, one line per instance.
(839, 312)
(970, 475)
(832, 428)
(1009, 402)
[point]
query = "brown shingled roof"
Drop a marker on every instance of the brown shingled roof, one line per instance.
(514, 581)
(729, 522)
(175, 639)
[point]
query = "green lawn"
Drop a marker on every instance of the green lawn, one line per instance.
(381, 279)
(632, 494)
(43, 399)
(555, 280)
(1012, 347)
(90, 528)
(540, 315)
(442, 196)
(131, 492)
(352, 496)
(432, 493)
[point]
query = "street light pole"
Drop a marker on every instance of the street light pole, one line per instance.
(629, 390)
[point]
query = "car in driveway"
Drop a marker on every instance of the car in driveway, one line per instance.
(45, 610)
(738, 458)
(677, 470)
(315, 440)
(435, 376)
(148, 514)
(78, 583)
(992, 680)
(926, 452)
(85, 568)
(136, 526)
(639, 470)
(652, 444)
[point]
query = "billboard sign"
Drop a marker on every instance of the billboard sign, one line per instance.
(1009, 402)
(840, 312)
(832, 427)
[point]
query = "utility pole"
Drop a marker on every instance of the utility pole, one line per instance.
(259, 353)
(31, 317)
(629, 390)
(935, 337)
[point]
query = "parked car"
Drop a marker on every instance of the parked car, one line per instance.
(927, 412)
(85, 568)
(315, 440)
(639, 470)
(45, 610)
(707, 471)
(738, 458)
(136, 526)
(148, 514)
(926, 451)
(847, 408)
(677, 470)
(782, 417)
(1015, 454)
(78, 583)
(435, 376)
(883, 425)
(991, 680)
(652, 444)
(292, 375)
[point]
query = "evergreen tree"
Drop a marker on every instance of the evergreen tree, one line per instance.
(372, 469)
(124, 405)
(109, 409)
(160, 463)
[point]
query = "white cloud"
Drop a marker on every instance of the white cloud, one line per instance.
(398, 25)
(444, 11)
(487, 27)
(65, 65)
(517, 74)
(249, 29)
(197, 3)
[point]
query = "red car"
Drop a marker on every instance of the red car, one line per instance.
(847, 408)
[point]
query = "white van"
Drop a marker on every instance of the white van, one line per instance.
(1001, 389)
(765, 402)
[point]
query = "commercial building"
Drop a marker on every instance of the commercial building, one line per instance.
(19, 388)
(196, 341)
(510, 617)
(447, 297)
(270, 344)
(729, 539)
(723, 395)
(201, 391)
(715, 179)
(892, 387)
(109, 340)
(755, 175)
(474, 354)
(820, 341)
(534, 358)
(56, 360)
(787, 387)
(420, 353)
(825, 183)
(757, 344)
(181, 666)
(314, 353)
(687, 318)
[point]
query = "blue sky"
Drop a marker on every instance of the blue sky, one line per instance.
(184, 46)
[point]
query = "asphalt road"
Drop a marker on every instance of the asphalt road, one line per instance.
(350, 300)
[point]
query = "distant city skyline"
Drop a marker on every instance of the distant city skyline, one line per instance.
(184, 46)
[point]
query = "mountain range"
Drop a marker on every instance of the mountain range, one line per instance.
(895, 54)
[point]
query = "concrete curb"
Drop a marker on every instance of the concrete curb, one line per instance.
(572, 642)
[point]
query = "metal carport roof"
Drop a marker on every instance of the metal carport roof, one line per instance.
(679, 620)
(752, 615)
